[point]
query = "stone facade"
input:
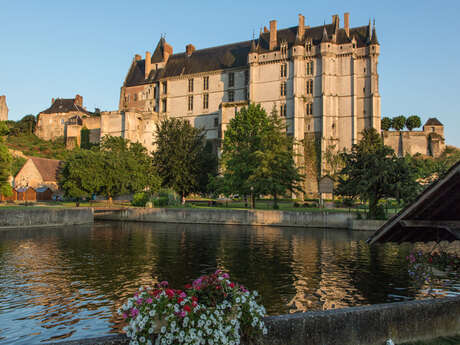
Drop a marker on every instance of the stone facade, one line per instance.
(323, 80)
(65, 118)
(38, 172)
(3, 109)
(429, 141)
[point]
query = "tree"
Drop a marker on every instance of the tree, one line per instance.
(5, 170)
(413, 122)
(372, 172)
(82, 175)
(398, 122)
(180, 157)
(257, 156)
(84, 138)
(127, 168)
(4, 129)
(386, 124)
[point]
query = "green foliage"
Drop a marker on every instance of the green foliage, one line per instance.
(140, 199)
(5, 169)
(386, 124)
(31, 145)
(413, 122)
(398, 122)
(25, 126)
(16, 164)
(428, 168)
(258, 157)
(82, 174)
(84, 138)
(117, 167)
(181, 157)
(4, 129)
(127, 168)
(372, 172)
(334, 161)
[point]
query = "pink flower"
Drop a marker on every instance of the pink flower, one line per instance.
(182, 313)
(164, 283)
(226, 275)
(149, 300)
(125, 316)
(134, 312)
(183, 295)
(139, 301)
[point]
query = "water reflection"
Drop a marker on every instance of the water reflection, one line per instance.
(67, 283)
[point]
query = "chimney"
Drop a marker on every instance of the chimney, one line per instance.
(78, 100)
(52, 101)
(265, 29)
(273, 32)
(301, 28)
(137, 57)
(189, 49)
(346, 20)
(148, 64)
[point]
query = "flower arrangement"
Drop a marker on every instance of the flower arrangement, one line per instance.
(212, 310)
(428, 267)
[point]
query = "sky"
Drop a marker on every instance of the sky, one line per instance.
(56, 48)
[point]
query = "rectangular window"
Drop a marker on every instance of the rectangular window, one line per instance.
(165, 87)
(246, 77)
(231, 96)
(205, 83)
(246, 94)
(283, 89)
(309, 87)
(135, 97)
(205, 101)
(216, 122)
(164, 105)
(231, 79)
(190, 103)
(309, 109)
(190, 85)
(283, 110)
(283, 70)
(310, 68)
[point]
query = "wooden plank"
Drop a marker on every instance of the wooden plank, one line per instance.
(430, 224)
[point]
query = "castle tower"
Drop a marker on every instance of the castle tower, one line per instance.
(3, 109)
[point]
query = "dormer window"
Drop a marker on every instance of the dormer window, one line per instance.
(308, 46)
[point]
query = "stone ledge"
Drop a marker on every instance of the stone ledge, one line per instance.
(369, 325)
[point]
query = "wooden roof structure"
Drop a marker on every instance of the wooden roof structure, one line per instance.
(433, 216)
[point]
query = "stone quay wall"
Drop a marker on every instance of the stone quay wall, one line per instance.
(369, 325)
(324, 219)
(44, 216)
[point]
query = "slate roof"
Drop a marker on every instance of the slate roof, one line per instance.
(64, 105)
(433, 122)
(48, 168)
(233, 55)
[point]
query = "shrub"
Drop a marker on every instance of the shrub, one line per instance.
(140, 199)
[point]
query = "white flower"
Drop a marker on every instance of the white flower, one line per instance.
(163, 329)
(142, 339)
(389, 342)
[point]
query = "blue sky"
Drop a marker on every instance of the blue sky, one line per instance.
(60, 48)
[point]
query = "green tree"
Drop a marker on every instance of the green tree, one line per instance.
(5, 169)
(398, 122)
(180, 156)
(26, 125)
(4, 129)
(276, 172)
(386, 123)
(127, 168)
(413, 122)
(82, 175)
(257, 156)
(372, 172)
(16, 164)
